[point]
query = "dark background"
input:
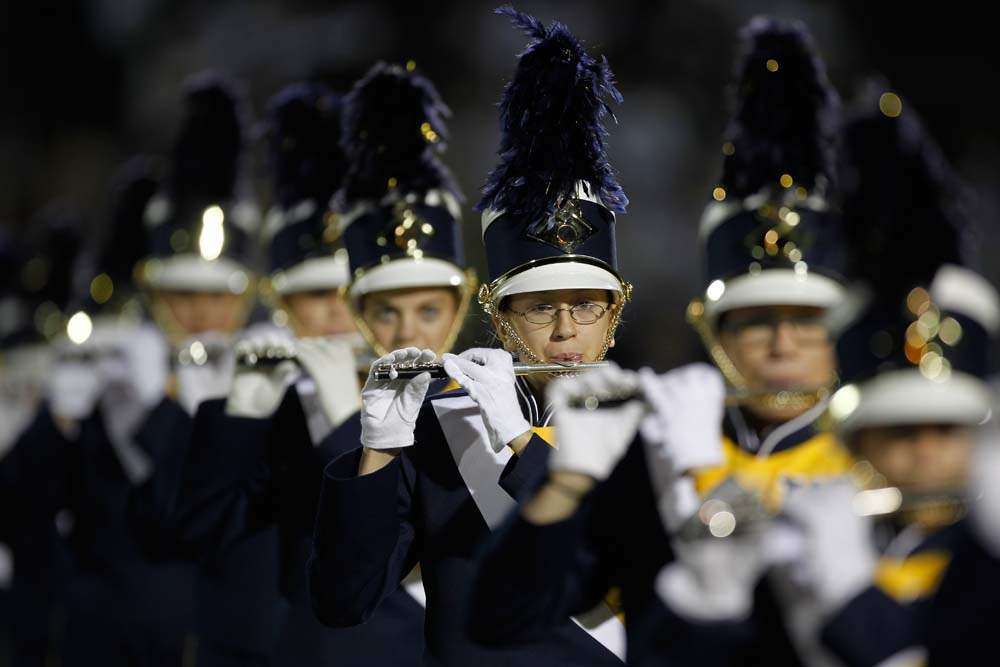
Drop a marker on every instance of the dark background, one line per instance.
(85, 84)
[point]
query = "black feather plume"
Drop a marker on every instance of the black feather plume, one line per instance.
(905, 210)
(393, 130)
(552, 117)
(206, 155)
(304, 144)
(785, 118)
(125, 238)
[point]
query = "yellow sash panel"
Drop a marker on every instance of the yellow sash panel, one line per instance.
(913, 578)
(820, 456)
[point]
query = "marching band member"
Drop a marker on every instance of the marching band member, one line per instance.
(198, 275)
(257, 458)
(434, 478)
(761, 323)
(35, 293)
(913, 365)
(84, 454)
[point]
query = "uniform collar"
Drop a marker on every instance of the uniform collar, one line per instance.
(536, 412)
(737, 426)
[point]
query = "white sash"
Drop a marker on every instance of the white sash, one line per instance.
(480, 467)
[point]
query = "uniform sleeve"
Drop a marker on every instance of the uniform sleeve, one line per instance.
(365, 540)
(164, 436)
(224, 483)
(870, 629)
(525, 473)
(562, 568)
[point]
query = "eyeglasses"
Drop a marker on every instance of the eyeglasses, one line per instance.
(761, 330)
(582, 313)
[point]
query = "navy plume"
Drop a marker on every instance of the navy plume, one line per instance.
(125, 239)
(304, 144)
(393, 130)
(904, 208)
(206, 154)
(552, 117)
(785, 118)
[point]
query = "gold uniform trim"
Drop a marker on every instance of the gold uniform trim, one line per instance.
(912, 578)
(820, 456)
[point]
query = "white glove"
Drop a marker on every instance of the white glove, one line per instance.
(591, 441)
(488, 375)
(713, 578)
(257, 390)
(986, 480)
(133, 361)
(687, 403)
(331, 364)
(390, 407)
(197, 383)
(837, 558)
(75, 383)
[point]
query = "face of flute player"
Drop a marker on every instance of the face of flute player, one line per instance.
(778, 347)
(201, 312)
(420, 317)
(565, 326)
(922, 457)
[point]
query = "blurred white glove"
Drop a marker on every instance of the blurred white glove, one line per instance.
(257, 390)
(212, 378)
(687, 403)
(837, 558)
(488, 375)
(713, 578)
(390, 407)
(75, 382)
(986, 480)
(592, 440)
(133, 361)
(331, 364)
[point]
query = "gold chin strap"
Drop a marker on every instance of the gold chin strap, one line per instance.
(466, 290)
(803, 400)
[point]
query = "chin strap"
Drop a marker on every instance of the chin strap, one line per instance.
(744, 394)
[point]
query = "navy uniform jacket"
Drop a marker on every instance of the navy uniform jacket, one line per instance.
(904, 607)
(372, 530)
(121, 608)
(235, 604)
(244, 475)
(34, 602)
(617, 542)
(962, 619)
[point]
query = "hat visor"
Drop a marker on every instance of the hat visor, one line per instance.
(317, 273)
(775, 287)
(906, 397)
(407, 273)
(196, 274)
(558, 276)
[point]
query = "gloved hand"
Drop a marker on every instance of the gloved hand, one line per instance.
(488, 375)
(133, 362)
(75, 384)
(331, 364)
(687, 403)
(986, 480)
(390, 407)
(591, 441)
(258, 389)
(838, 558)
(713, 578)
(199, 382)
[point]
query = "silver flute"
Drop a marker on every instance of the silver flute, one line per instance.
(436, 369)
